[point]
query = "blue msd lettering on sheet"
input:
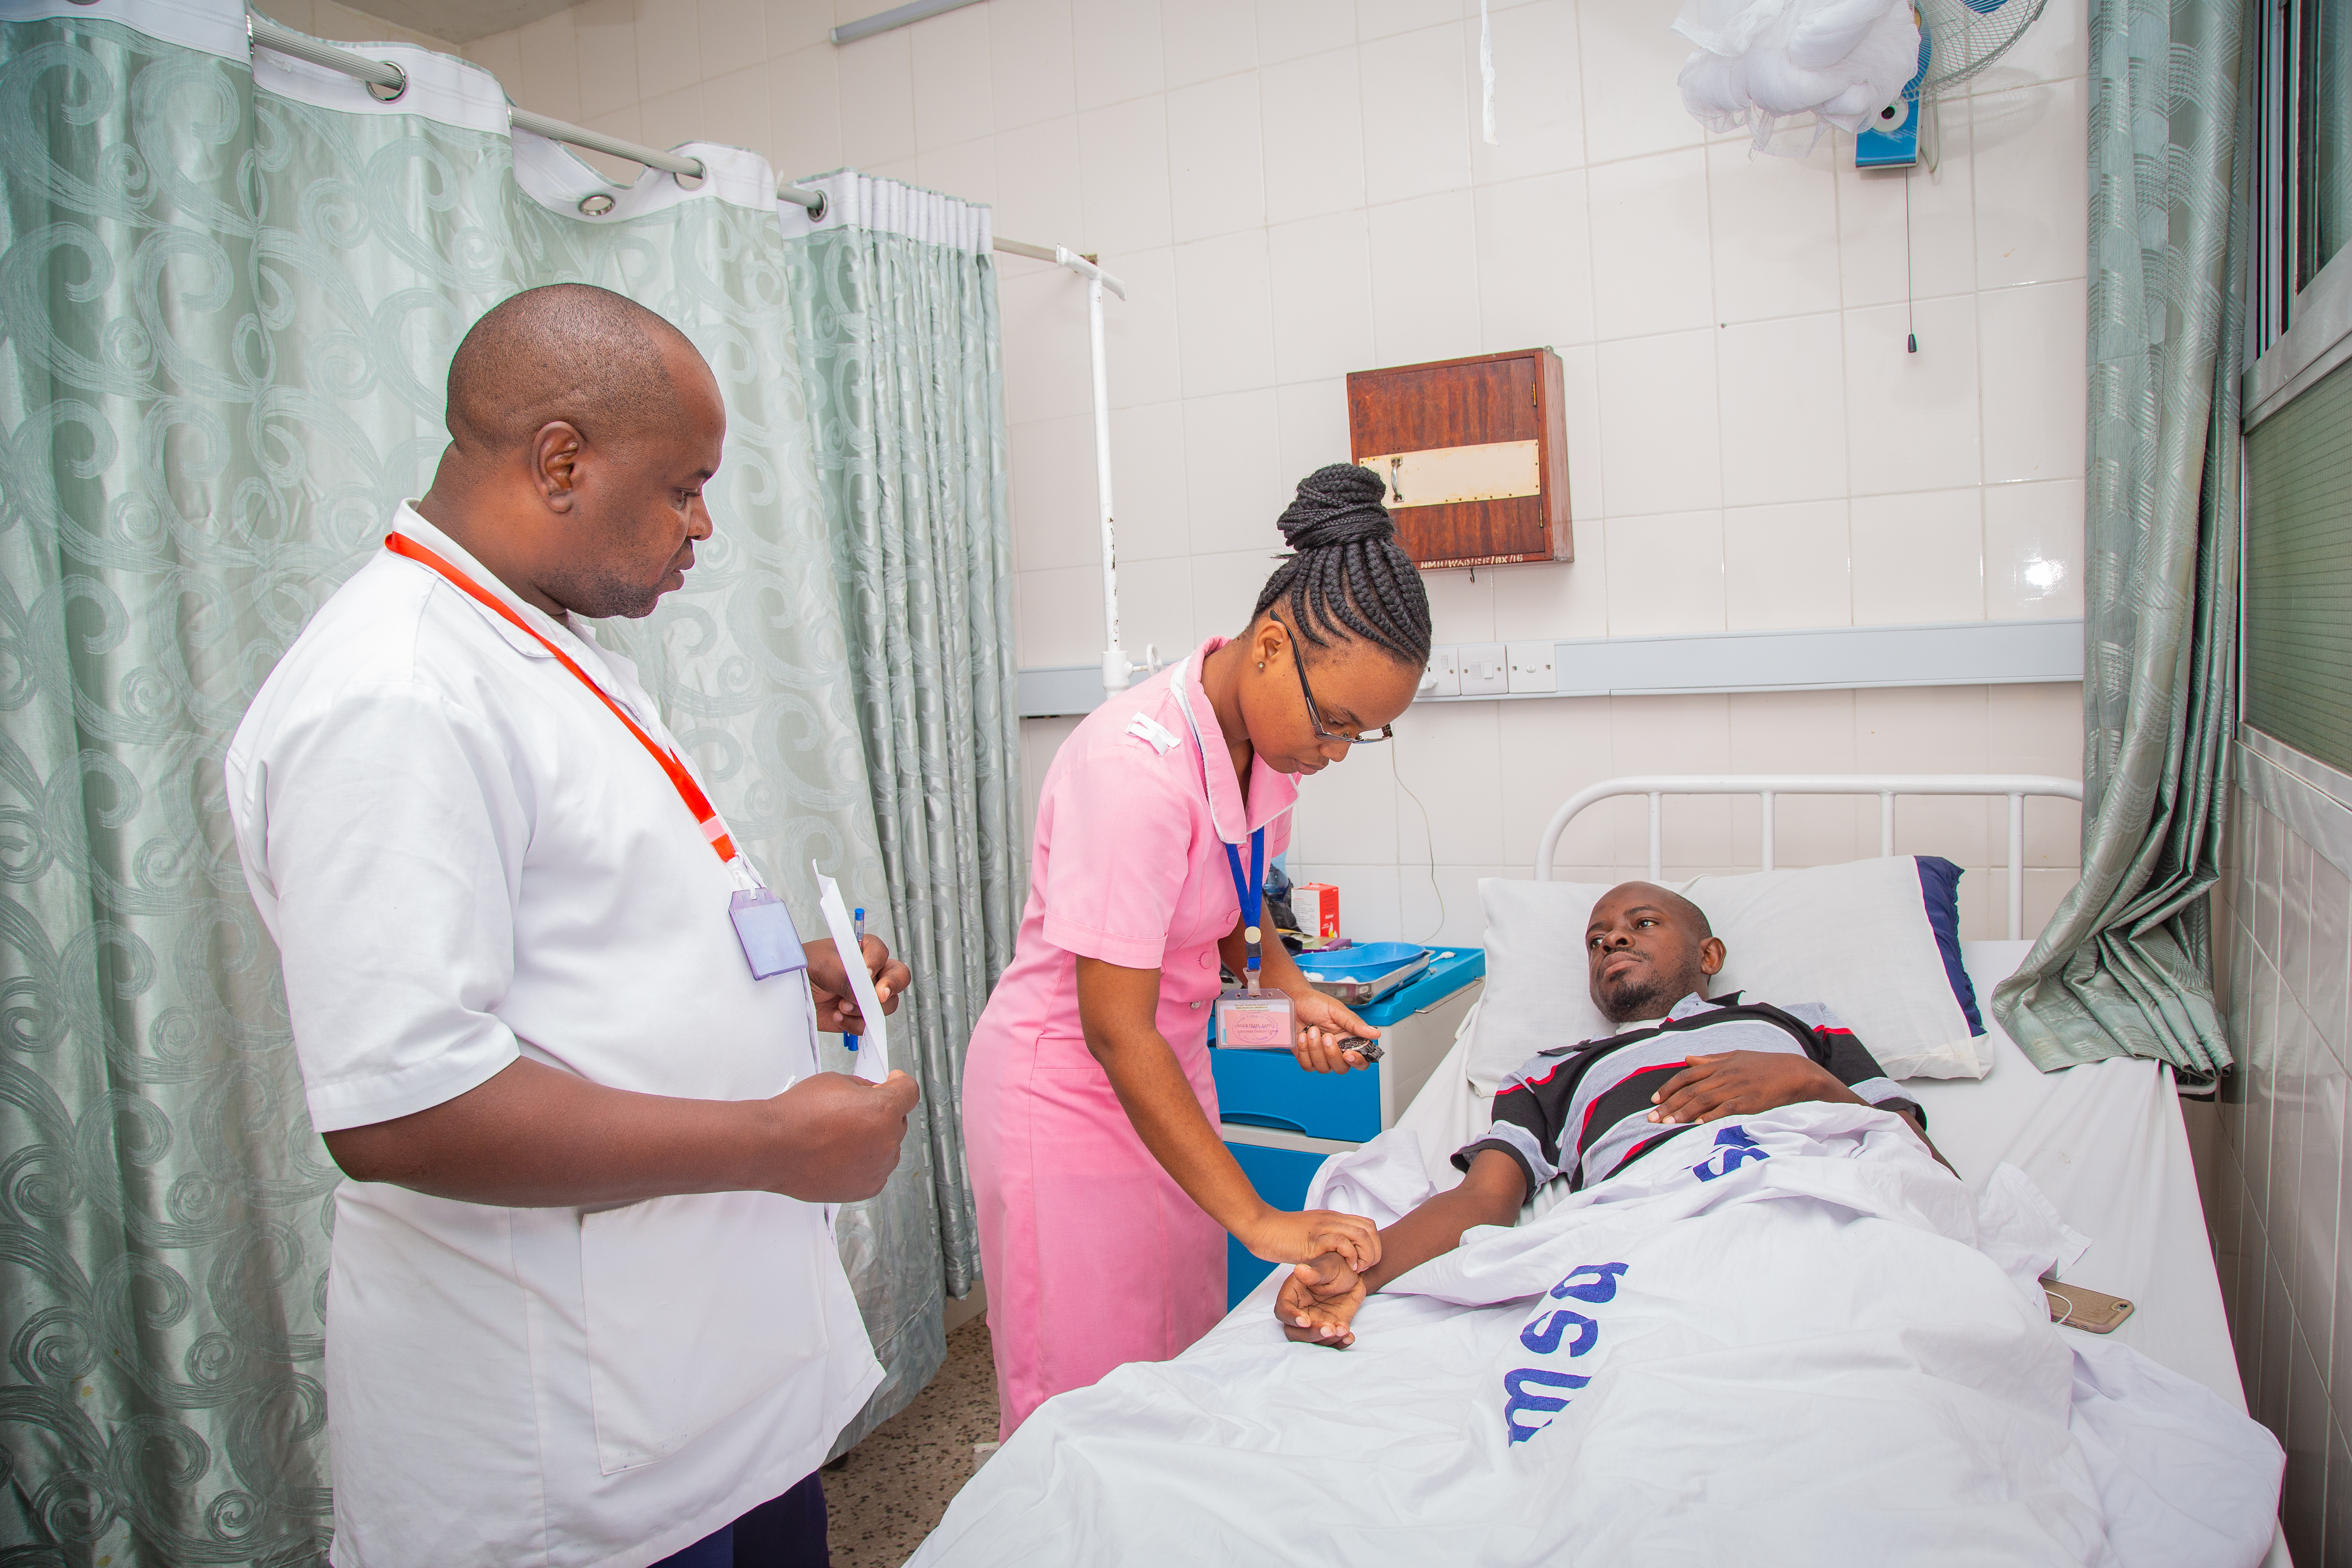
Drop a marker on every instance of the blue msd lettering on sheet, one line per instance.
(1733, 1149)
(1543, 1334)
(1601, 1288)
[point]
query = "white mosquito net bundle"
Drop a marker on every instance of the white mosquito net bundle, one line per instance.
(1761, 62)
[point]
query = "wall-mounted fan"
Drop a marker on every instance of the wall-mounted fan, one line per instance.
(1862, 65)
(1958, 39)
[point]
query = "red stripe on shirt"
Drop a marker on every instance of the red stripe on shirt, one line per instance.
(1638, 1149)
(1520, 1083)
(1587, 1122)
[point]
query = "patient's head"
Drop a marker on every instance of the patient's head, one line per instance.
(1647, 949)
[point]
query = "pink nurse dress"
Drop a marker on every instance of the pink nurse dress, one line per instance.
(1092, 1254)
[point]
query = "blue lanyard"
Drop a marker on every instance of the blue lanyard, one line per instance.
(1252, 893)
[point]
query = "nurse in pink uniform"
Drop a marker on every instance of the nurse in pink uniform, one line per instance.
(1090, 1119)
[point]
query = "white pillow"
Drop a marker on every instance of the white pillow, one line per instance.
(1854, 938)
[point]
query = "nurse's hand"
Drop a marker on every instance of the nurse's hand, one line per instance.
(1325, 1027)
(1280, 1237)
(836, 1138)
(837, 1007)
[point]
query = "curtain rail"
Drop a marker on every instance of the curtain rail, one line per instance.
(387, 81)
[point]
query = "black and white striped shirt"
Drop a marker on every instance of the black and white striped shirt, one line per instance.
(1582, 1110)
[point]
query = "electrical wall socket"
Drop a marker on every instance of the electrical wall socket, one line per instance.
(1486, 669)
(1443, 676)
(1532, 666)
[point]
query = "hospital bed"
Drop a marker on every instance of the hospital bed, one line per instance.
(2105, 1142)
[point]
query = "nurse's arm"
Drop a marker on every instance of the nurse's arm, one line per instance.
(1118, 1013)
(534, 1136)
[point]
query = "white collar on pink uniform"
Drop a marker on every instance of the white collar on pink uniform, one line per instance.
(1270, 794)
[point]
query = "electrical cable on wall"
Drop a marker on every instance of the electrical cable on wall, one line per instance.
(1429, 836)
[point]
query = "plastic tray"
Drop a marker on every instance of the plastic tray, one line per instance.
(1365, 961)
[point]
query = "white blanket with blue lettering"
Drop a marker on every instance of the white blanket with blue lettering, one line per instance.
(1783, 1339)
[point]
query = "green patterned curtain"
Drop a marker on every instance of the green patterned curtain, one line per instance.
(894, 297)
(229, 288)
(2125, 966)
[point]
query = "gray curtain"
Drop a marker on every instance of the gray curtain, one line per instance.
(894, 297)
(2125, 966)
(228, 292)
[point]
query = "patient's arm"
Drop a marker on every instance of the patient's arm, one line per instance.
(1319, 1299)
(1737, 1083)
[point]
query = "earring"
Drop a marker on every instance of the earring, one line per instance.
(1261, 664)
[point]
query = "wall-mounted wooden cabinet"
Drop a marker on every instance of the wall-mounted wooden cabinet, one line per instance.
(1474, 454)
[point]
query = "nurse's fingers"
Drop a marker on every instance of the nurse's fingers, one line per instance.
(1321, 1050)
(1355, 1239)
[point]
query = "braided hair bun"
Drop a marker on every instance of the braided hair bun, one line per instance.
(1336, 504)
(1349, 578)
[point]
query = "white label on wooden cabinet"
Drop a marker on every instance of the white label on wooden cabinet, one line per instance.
(1442, 476)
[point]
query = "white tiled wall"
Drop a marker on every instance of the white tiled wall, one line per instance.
(2274, 1179)
(1294, 189)
(1406, 830)
(330, 19)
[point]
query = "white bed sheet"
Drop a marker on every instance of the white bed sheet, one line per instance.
(2105, 1142)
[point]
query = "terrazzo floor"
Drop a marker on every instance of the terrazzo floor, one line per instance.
(892, 1488)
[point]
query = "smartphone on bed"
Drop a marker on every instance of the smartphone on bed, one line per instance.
(2078, 1306)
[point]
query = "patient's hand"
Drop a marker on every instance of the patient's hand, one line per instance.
(1318, 1301)
(1735, 1083)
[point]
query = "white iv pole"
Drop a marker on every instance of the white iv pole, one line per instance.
(1116, 666)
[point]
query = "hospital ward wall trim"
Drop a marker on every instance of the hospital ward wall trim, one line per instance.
(1831, 659)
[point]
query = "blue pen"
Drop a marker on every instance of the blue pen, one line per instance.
(857, 922)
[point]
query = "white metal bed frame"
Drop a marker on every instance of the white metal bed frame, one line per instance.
(1770, 786)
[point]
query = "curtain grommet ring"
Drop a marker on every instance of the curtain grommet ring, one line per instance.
(595, 204)
(693, 182)
(389, 92)
(824, 204)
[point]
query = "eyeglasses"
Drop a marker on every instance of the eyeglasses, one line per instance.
(1315, 714)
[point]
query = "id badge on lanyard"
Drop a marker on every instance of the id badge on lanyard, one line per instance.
(764, 926)
(772, 944)
(1253, 1018)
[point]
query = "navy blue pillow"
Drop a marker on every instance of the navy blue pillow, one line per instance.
(1939, 888)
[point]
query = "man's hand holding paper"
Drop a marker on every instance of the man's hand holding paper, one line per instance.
(837, 999)
(868, 1008)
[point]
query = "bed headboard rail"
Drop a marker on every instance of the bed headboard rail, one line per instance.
(1767, 787)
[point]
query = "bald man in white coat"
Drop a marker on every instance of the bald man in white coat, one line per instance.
(584, 1305)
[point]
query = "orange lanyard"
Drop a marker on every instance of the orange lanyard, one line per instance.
(689, 791)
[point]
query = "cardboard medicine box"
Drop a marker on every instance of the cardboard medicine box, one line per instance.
(1316, 905)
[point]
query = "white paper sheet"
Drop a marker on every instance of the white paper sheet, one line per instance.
(874, 1048)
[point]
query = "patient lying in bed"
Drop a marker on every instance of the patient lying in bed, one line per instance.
(1768, 1329)
(1586, 1112)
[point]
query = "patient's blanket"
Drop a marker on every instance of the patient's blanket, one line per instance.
(1795, 1342)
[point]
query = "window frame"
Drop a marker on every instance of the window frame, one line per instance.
(2294, 336)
